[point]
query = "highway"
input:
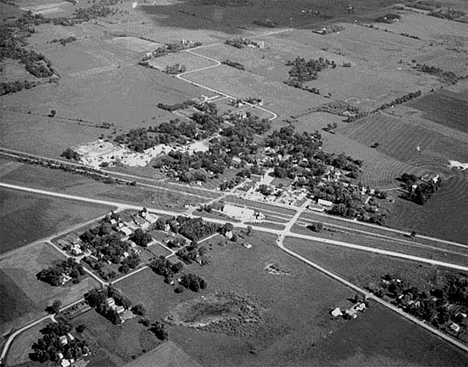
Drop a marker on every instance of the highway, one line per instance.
(282, 234)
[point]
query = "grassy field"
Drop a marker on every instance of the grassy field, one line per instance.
(21, 347)
(360, 267)
(167, 354)
(31, 295)
(27, 217)
(285, 295)
(46, 179)
(454, 255)
(398, 343)
(121, 343)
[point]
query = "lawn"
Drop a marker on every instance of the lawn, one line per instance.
(33, 296)
(27, 217)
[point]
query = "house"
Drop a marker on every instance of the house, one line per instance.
(316, 207)
(76, 250)
(455, 327)
(126, 231)
(228, 235)
(149, 217)
(65, 363)
(359, 306)
(325, 203)
(65, 278)
(140, 222)
(336, 312)
(247, 245)
(351, 313)
(120, 309)
(70, 337)
(110, 302)
(63, 340)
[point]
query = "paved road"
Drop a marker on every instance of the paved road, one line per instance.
(282, 234)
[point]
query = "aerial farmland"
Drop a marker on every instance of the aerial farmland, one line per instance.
(233, 183)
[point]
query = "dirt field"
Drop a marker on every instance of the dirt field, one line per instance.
(28, 217)
(23, 287)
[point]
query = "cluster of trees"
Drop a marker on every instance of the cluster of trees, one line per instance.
(449, 14)
(70, 154)
(196, 228)
(165, 268)
(100, 10)
(423, 190)
(388, 18)
(192, 253)
(246, 126)
(159, 329)
(406, 98)
(99, 267)
(241, 42)
(64, 41)
(267, 23)
(316, 226)
(176, 106)
(193, 282)
(104, 243)
(175, 69)
(49, 346)
(435, 306)
(336, 108)
(16, 86)
(96, 298)
(446, 76)
(54, 274)
(141, 238)
(304, 71)
(233, 64)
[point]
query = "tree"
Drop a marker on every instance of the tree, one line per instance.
(249, 230)
(52, 113)
(139, 309)
(55, 307)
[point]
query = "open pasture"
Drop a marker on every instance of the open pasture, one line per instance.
(287, 319)
(240, 84)
(168, 354)
(428, 28)
(21, 268)
(399, 342)
(444, 107)
(189, 60)
(122, 343)
(28, 217)
(38, 134)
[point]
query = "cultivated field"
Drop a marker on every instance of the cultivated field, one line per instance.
(27, 217)
(444, 107)
(32, 296)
